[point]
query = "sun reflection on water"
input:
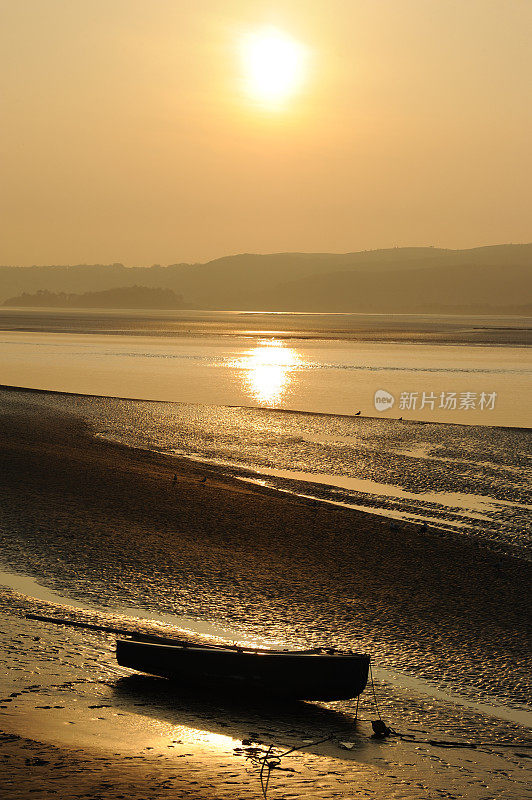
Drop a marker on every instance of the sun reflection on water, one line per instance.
(268, 371)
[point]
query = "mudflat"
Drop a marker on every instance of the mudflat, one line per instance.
(110, 525)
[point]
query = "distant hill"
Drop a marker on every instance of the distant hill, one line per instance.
(122, 297)
(473, 288)
(493, 279)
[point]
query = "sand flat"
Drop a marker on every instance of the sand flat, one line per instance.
(97, 514)
(74, 726)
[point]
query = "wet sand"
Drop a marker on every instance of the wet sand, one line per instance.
(74, 725)
(98, 511)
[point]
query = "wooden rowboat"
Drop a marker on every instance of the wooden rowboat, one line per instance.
(319, 674)
(298, 674)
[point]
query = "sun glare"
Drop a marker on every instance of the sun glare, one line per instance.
(268, 371)
(274, 64)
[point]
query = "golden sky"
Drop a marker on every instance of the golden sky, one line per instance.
(135, 130)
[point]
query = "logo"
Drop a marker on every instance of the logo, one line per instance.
(383, 400)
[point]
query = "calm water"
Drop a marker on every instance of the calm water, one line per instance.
(470, 371)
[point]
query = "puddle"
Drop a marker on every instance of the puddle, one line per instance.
(472, 505)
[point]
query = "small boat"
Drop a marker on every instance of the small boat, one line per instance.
(319, 674)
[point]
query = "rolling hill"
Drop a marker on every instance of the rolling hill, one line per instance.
(496, 279)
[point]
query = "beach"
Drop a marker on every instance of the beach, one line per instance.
(93, 735)
(265, 401)
(107, 524)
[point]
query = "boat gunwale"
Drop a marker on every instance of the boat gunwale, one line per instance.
(238, 650)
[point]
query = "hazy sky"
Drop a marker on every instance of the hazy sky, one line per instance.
(129, 132)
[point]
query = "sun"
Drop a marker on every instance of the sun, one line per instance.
(274, 65)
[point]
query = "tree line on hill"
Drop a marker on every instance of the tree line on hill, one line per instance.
(493, 279)
(121, 297)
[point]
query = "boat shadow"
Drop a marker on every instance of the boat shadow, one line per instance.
(242, 715)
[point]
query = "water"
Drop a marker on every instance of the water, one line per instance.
(462, 370)
(272, 399)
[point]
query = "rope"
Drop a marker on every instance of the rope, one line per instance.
(373, 690)
(411, 739)
(270, 760)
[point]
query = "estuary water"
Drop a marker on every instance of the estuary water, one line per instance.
(465, 370)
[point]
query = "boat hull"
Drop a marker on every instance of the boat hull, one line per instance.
(298, 675)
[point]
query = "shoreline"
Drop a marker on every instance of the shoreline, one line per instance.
(76, 723)
(199, 630)
(95, 515)
(117, 486)
(288, 411)
(71, 719)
